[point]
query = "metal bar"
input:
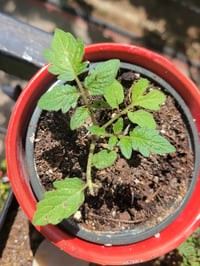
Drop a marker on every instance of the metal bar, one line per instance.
(21, 47)
(5, 209)
(3, 130)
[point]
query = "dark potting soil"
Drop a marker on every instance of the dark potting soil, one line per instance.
(132, 191)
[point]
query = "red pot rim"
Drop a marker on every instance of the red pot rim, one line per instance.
(169, 238)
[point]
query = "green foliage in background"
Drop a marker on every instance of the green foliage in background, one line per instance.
(190, 250)
(4, 187)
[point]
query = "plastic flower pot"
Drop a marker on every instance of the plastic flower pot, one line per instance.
(146, 229)
(168, 238)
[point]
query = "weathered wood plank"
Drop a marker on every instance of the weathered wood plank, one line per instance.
(21, 47)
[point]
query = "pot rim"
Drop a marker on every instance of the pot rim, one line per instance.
(139, 232)
(170, 237)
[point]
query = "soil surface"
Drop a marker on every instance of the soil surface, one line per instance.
(132, 192)
(19, 239)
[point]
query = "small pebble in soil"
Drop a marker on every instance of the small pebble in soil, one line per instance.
(77, 216)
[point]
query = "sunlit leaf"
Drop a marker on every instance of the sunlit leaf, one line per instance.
(104, 158)
(118, 126)
(142, 118)
(97, 130)
(79, 117)
(65, 56)
(60, 203)
(60, 97)
(139, 88)
(112, 142)
(125, 146)
(100, 77)
(148, 140)
(114, 94)
(151, 100)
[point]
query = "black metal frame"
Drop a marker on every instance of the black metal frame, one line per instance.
(21, 47)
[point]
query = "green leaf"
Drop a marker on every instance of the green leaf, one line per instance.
(187, 249)
(148, 140)
(125, 147)
(79, 117)
(142, 118)
(104, 158)
(66, 56)
(100, 77)
(139, 88)
(97, 130)
(112, 142)
(152, 100)
(3, 166)
(60, 203)
(100, 105)
(118, 126)
(60, 97)
(114, 94)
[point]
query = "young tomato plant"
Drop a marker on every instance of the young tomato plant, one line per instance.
(66, 58)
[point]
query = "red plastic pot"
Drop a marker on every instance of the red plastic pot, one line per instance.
(148, 249)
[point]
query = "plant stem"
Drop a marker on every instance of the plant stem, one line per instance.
(123, 112)
(85, 99)
(89, 184)
(89, 166)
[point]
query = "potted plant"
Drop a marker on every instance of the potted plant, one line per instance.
(114, 109)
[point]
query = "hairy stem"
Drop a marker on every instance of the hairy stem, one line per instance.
(85, 99)
(93, 142)
(123, 112)
(89, 166)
